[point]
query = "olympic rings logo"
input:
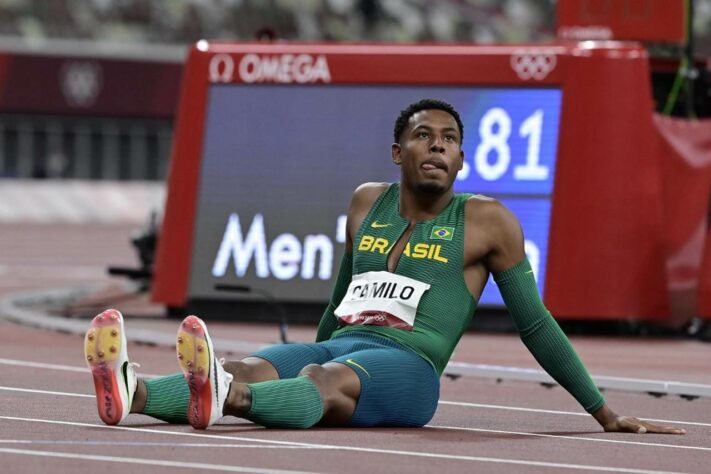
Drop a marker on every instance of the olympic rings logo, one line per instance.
(81, 82)
(533, 63)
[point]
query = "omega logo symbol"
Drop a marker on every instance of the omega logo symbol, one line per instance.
(222, 66)
(533, 63)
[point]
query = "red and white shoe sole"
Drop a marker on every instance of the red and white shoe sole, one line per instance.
(102, 350)
(194, 357)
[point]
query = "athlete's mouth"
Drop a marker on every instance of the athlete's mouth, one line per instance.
(434, 164)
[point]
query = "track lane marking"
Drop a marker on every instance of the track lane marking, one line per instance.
(143, 444)
(46, 392)
(355, 448)
(558, 412)
(664, 384)
(67, 368)
(578, 438)
(149, 462)
(42, 365)
(441, 402)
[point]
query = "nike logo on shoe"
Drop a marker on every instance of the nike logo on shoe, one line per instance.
(106, 355)
(217, 385)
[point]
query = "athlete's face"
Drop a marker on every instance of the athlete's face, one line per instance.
(429, 152)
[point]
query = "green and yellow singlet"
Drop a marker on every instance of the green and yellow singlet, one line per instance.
(434, 254)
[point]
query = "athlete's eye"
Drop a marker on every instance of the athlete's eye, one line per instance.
(423, 134)
(450, 138)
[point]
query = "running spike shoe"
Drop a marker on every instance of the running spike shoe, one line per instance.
(114, 376)
(208, 382)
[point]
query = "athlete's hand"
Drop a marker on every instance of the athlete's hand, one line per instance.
(612, 422)
(633, 425)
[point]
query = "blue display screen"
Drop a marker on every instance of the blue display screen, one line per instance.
(280, 163)
(511, 141)
(510, 155)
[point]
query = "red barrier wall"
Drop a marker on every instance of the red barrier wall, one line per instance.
(644, 20)
(607, 259)
(69, 85)
(705, 281)
(685, 147)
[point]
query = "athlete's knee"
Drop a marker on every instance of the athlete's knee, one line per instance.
(251, 370)
(318, 375)
(336, 384)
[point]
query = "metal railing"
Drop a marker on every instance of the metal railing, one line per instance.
(36, 146)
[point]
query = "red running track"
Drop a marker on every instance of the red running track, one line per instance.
(48, 419)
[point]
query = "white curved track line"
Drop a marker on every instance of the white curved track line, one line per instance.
(558, 412)
(46, 392)
(146, 443)
(441, 402)
(42, 365)
(148, 462)
(352, 448)
(577, 438)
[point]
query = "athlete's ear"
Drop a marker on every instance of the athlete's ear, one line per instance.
(395, 151)
(461, 160)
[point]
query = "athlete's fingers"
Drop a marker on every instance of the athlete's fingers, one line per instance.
(630, 424)
(652, 428)
(634, 425)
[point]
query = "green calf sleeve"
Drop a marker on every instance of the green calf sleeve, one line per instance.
(287, 403)
(167, 398)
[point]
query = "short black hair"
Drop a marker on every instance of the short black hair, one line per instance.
(425, 104)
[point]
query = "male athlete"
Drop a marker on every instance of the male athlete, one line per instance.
(417, 258)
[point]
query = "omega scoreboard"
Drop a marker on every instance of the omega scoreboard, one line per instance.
(272, 139)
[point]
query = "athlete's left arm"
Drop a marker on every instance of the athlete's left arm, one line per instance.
(538, 329)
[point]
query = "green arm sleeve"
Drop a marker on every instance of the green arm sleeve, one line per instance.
(328, 322)
(543, 337)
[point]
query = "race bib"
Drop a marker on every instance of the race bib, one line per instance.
(381, 299)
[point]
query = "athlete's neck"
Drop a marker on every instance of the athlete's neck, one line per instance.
(422, 206)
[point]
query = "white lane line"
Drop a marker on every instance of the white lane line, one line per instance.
(627, 384)
(441, 402)
(149, 462)
(41, 365)
(143, 444)
(577, 438)
(352, 448)
(68, 368)
(557, 412)
(46, 392)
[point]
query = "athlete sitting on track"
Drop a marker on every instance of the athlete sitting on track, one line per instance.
(417, 258)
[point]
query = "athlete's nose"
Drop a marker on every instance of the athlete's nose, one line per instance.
(437, 146)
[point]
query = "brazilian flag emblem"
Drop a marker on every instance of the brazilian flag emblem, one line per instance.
(440, 232)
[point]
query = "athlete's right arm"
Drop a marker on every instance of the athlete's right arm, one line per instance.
(363, 198)
(328, 322)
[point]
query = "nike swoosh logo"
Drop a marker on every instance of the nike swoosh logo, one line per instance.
(217, 385)
(530, 271)
(124, 372)
(377, 225)
(352, 362)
